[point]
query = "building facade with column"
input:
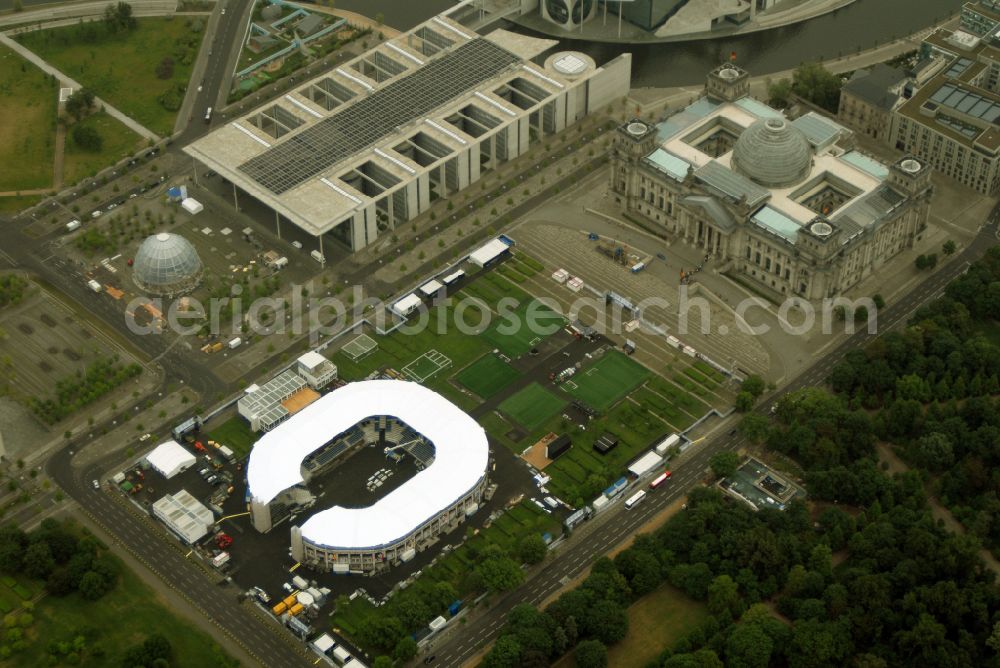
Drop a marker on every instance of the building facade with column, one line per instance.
(789, 205)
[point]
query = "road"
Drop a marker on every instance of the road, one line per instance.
(575, 559)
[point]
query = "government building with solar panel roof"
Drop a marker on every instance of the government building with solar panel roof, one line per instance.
(370, 143)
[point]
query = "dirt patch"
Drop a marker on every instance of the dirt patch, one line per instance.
(47, 319)
(45, 366)
(86, 334)
(72, 354)
(26, 329)
(52, 350)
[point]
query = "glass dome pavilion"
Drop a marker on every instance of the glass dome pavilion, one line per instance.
(166, 265)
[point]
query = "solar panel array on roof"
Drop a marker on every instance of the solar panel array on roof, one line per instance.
(967, 102)
(371, 118)
(957, 67)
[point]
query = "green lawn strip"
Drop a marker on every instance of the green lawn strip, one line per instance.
(709, 371)
(660, 406)
(678, 396)
(507, 288)
(28, 101)
(532, 406)
(606, 381)
(13, 204)
(487, 376)
(699, 377)
(121, 68)
(117, 142)
(126, 615)
(531, 262)
(235, 433)
(512, 274)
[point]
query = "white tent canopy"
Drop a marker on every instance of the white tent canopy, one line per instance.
(170, 458)
(488, 252)
(461, 455)
(644, 464)
(407, 304)
(192, 206)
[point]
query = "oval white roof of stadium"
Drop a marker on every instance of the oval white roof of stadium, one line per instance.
(460, 460)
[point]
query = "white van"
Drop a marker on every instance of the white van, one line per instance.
(72, 225)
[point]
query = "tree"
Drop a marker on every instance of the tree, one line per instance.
(532, 549)
(87, 138)
(724, 598)
(591, 654)
(80, 103)
(744, 402)
(879, 301)
(405, 649)
(92, 586)
(755, 385)
(506, 653)
(38, 560)
(382, 661)
(165, 68)
(949, 247)
(779, 92)
(118, 17)
(607, 621)
(926, 261)
(724, 463)
(380, 631)
(18, 5)
(816, 84)
(755, 427)
(748, 647)
(933, 452)
(501, 573)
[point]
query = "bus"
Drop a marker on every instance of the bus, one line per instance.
(634, 500)
(660, 479)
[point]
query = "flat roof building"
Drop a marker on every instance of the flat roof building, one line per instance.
(370, 143)
(184, 515)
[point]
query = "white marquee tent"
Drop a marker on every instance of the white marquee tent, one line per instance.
(170, 458)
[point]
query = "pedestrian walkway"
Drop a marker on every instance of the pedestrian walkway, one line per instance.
(67, 82)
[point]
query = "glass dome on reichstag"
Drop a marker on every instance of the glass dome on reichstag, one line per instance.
(166, 264)
(773, 153)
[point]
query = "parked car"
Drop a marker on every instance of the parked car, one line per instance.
(96, 484)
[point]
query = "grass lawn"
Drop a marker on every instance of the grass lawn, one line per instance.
(235, 433)
(524, 329)
(117, 142)
(14, 204)
(655, 622)
(125, 616)
(28, 100)
(121, 68)
(608, 380)
(532, 406)
(487, 376)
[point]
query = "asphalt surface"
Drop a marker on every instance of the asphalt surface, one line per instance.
(576, 558)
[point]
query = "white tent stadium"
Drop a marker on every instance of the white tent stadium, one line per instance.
(460, 461)
(170, 458)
